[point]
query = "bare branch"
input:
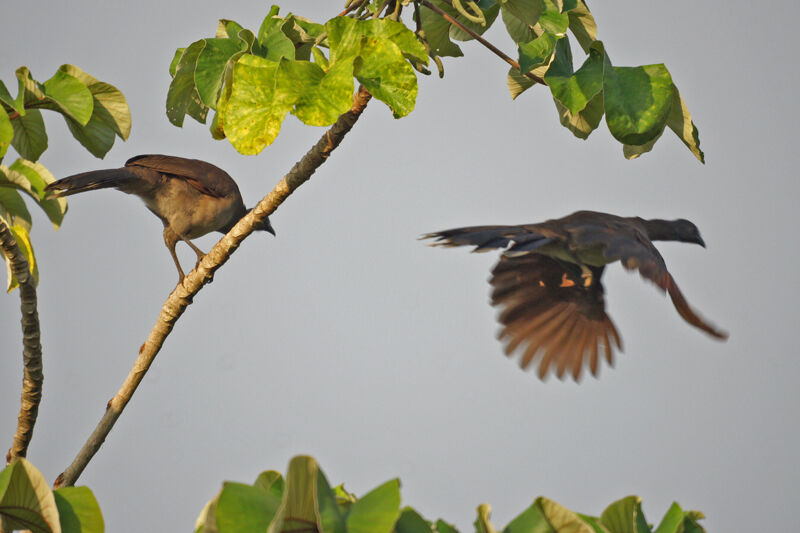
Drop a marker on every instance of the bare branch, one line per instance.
(182, 296)
(31, 345)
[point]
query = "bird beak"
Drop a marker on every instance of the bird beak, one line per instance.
(700, 241)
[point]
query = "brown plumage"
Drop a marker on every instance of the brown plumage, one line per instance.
(548, 282)
(191, 197)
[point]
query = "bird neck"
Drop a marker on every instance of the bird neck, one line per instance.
(660, 230)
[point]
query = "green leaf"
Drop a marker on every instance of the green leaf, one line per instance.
(320, 96)
(26, 502)
(330, 515)
(537, 52)
(272, 482)
(518, 82)
(173, 65)
(78, 510)
(255, 109)
(638, 101)
(319, 58)
(519, 31)
(298, 509)
(228, 28)
(575, 90)
(212, 61)
(377, 511)
(632, 151)
(531, 520)
(672, 521)
(396, 32)
(6, 132)
(32, 178)
(584, 122)
(690, 524)
(381, 68)
(553, 20)
(242, 508)
(444, 527)
(411, 521)
(561, 518)
(182, 97)
(527, 11)
(110, 109)
(625, 516)
(437, 33)
(594, 523)
(69, 96)
(482, 523)
(344, 38)
(31, 90)
(15, 210)
(680, 121)
(273, 43)
(583, 26)
(30, 137)
(7, 99)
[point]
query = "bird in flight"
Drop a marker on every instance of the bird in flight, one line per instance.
(191, 197)
(548, 282)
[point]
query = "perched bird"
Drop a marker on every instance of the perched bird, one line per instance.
(548, 282)
(191, 197)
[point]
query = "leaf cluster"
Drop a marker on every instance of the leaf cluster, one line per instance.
(305, 501)
(291, 65)
(95, 112)
(26, 502)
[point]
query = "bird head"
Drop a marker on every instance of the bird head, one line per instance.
(673, 230)
(264, 226)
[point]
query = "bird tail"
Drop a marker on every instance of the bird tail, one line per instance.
(687, 313)
(482, 237)
(88, 181)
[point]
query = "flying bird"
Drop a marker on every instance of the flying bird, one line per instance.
(547, 282)
(191, 197)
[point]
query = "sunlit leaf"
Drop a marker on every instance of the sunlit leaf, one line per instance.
(381, 68)
(26, 501)
(78, 510)
(69, 96)
(30, 137)
(182, 91)
(583, 26)
(376, 511)
(680, 121)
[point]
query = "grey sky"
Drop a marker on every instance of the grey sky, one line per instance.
(348, 339)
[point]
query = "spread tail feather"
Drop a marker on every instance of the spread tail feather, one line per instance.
(87, 181)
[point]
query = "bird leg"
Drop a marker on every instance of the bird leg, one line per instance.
(171, 239)
(198, 251)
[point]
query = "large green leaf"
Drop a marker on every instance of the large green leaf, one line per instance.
(583, 123)
(672, 521)
(16, 104)
(527, 11)
(638, 101)
(320, 96)
(583, 26)
(6, 132)
(69, 96)
(437, 33)
(561, 518)
(537, 52)
(30, 137)
(241, 508)
(531, 520)
(15, 212)
(78, 510)
(518, 82)
(680, 121)
(211, 64)
(110, 108)
(26, 502)
(272, 482)
(625, 516)
(574, 90)
(553, 20)
(381, 68)
(255, 110)
(272, 42)
(444, 527)
(396, 32)
(377, 511)
(32, 178)
(32, 90)
(182, 97)
(411, 521)
(519, 31)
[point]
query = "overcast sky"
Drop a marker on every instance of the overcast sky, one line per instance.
(348, 339)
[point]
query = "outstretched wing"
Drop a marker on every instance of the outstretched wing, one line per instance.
(551, 312)
(485, 238)
(205, 177)
(626, 241)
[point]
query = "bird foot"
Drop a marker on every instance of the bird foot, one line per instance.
(586, 275)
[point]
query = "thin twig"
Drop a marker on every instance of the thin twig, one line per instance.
(31, 345)
(182, 296)
(499, 53)
(355, 4)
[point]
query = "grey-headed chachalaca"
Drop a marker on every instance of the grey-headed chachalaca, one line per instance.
(191, 197)
(548, 282)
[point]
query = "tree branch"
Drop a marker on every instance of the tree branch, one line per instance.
(499, 53)
(181, 297)
(33, 377)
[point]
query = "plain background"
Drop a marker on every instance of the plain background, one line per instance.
(348, 339)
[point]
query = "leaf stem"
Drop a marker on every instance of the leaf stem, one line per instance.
(499, 53)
